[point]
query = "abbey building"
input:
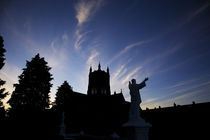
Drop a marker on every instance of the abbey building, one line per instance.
(99, 82)
(98, 112)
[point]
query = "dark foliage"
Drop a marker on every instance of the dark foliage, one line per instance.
(32, 92)
(42, 125)
(2, 51)
(3, 94)
(63, 95)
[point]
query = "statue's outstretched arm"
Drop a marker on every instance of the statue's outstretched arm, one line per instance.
(146, 79)
(143, 84)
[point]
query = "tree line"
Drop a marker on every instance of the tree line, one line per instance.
(32, 92)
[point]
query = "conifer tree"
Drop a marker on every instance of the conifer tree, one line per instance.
(3, 94)
(63, 95)
(32, 91)
(2, 51)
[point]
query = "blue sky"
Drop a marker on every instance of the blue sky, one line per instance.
(167, 41)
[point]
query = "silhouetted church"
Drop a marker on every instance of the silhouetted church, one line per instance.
(98, 112)
(99, 82)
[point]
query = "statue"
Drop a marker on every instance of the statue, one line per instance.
(134, 90)
(137, 128)
(134, 114)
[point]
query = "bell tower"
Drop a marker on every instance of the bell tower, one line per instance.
(99, 82)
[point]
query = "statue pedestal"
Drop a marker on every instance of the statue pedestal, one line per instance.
(137, 129)
(137, 133)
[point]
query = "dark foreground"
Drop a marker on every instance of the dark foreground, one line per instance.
(178, 122)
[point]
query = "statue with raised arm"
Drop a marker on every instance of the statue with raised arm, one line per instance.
(134, 114)
(137, 128)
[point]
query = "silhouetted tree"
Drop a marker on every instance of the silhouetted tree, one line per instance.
(63, 94)
(32, 91)
(3, 94)
(2, 51)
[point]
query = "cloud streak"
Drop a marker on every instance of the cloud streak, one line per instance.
(187, 82)
(65, 37)
(127, 48)
(176, 95)
(91, 59)
(86, 9)
(121, 76)
(131, 75)
(197, 12)
(80, 38)
(189, 96)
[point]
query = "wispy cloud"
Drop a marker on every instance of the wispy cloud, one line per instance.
(153, 63)
(91, 59)
(131, 75)
(187, 82)
(186, 98)
(55, 53)
(147, 102)
(117, 76)
(127, 48)
(86, 9)
(119, 71)
(188, 18)
(197, 12)
(187, 95)
(186, 90)
(80, 38)
(65, 37)
(116, 81)
(192, 87)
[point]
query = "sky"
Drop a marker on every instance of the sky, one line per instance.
(166, 40)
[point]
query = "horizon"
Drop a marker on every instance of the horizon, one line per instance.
(165, 41)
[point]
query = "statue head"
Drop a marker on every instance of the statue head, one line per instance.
(133, 81)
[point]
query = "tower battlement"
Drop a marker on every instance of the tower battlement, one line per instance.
(99, 82)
